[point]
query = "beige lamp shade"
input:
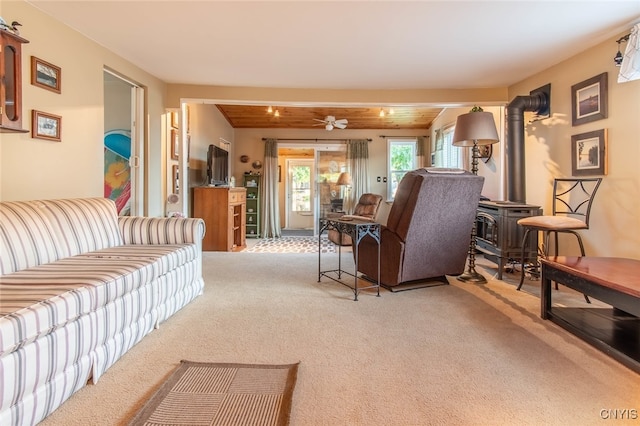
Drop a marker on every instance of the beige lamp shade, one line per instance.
(475, 128)
(344, 179)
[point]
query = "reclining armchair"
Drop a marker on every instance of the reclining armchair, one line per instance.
(367, 207)
(428, 230)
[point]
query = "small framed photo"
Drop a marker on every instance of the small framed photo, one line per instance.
(175, 179)
(45, 75)
(589, 153)
(175, 144)
(174, 119)
(46, 126)
(589, 100)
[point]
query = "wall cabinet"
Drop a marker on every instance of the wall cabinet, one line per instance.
(11, 82)
(252, 184)
(223, 211)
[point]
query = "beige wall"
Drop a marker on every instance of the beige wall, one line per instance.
(34, 168)
(493, 170)
(614, 224)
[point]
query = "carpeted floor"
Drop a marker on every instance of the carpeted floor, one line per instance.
(292, 245)
(199, 393)
(458, 354)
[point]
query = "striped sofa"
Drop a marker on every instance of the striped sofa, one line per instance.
(80, 286)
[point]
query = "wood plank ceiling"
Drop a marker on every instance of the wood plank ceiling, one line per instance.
(251, 116)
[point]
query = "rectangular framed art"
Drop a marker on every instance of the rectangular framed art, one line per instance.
(175, 144)
(589, 153)
(589, 100)
(46, 126)
(175, 179)
(45, 75)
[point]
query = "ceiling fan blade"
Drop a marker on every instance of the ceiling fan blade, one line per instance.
(340, 125)
(317, 119)
(330, 118)
(342, 121)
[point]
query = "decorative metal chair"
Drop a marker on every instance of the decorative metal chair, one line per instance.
(572, 200)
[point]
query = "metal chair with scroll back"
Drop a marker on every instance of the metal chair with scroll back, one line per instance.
(571, 208)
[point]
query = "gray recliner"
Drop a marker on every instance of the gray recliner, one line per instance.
(428, 230)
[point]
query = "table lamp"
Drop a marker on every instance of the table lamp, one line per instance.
(472, 130)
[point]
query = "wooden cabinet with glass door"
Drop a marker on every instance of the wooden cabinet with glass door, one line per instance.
(11, 82)
(252, 185)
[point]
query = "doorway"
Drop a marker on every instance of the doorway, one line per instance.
(300, 194)
(123, 144)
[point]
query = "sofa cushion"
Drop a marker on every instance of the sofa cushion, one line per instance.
(26, 236)
(37, 232)
(38, 300)
(84, 224)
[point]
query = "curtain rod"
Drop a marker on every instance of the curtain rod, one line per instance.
(396, 136)
(311, 139)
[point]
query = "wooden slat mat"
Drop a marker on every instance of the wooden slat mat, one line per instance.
(200, 393)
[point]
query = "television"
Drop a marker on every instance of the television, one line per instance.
(217, 166)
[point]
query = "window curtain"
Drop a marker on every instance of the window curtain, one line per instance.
(358, 160)
(630, 68)
(420, 157)
(270, 206)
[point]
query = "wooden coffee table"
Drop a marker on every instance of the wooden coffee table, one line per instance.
(614, 281)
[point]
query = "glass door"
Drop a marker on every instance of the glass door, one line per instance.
(300, 194)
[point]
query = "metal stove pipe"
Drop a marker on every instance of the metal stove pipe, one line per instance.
(516, 176)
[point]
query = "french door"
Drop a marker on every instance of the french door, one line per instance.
(300, 190)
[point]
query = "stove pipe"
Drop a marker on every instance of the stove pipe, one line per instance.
(516, 177)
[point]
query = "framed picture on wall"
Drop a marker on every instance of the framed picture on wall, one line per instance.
(589, 153)
(174, 119)
(46, 126)
(175, 144)
(45, 75)
(175, 179)
(589, 100)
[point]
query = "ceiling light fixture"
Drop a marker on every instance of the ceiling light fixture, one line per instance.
(618, 58)
(277, 113)
(391, 111)
(269, 110)
(381, 112)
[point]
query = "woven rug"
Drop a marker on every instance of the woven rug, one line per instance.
(292, 245)
(199, 393)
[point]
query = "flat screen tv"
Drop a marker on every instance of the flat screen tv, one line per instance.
(217, 166)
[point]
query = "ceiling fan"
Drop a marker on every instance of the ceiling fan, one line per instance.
(330, 122)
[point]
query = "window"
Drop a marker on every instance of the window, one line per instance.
(445, 154)
(402, 157)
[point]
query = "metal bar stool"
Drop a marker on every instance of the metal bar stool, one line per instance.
(572, 200)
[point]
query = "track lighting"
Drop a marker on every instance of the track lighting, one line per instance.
(618, 58)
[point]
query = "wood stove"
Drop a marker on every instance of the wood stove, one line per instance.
(498, 235)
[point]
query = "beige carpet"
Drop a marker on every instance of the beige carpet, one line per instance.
(292, 245)
(200, 393)
(456, 354)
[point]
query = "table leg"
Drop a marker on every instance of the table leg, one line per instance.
(545, 296)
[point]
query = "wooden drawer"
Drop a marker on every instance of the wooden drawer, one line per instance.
(237, 196)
